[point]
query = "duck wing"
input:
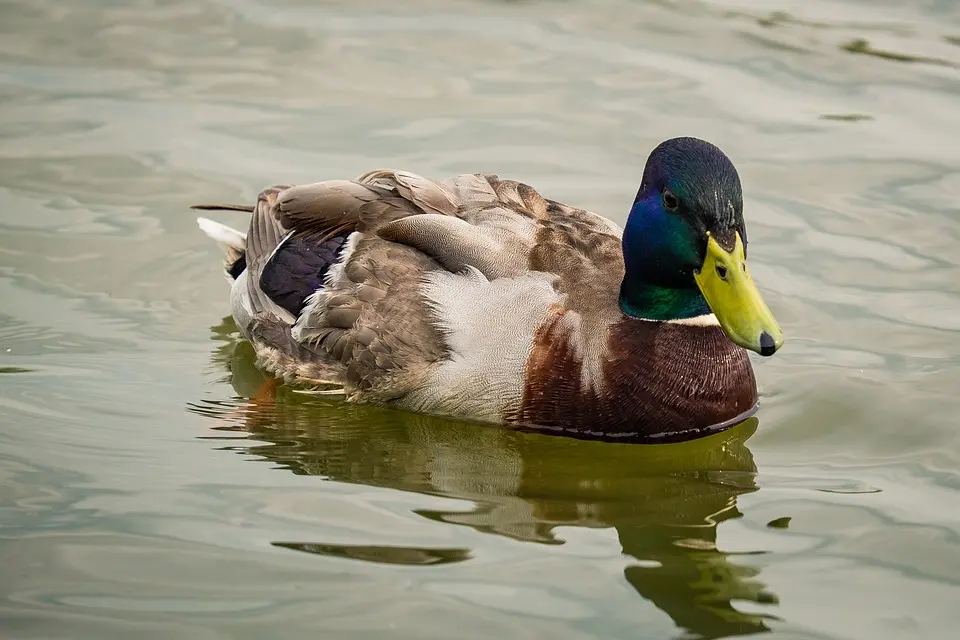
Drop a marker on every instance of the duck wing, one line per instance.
(423, 293)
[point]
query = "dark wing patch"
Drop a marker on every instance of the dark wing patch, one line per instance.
(238, 266)
(297, 268)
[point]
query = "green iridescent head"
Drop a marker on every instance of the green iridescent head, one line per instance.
(684, 246)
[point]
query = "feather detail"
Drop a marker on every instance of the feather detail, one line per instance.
(246, 208)
(231, 241)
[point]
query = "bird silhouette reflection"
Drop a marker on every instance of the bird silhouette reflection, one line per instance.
(664, 501)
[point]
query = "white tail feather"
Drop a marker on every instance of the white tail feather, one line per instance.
(227, 237)
(232, 242)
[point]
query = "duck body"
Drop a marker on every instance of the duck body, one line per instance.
(477, 297)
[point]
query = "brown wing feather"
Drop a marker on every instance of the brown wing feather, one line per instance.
(369, 328)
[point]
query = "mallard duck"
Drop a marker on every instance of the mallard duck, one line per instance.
(479, 298)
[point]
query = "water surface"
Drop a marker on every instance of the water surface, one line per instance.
(152, 486)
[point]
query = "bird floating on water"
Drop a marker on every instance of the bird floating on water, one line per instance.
(479, 298)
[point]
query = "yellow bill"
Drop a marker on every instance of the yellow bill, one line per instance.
(733, 297)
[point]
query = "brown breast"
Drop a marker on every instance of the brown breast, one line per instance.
(661, 382)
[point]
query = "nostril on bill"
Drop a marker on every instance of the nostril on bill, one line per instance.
(767, 347)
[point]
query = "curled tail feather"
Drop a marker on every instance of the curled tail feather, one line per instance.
(223, 207)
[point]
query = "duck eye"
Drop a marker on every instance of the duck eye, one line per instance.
(670, 202)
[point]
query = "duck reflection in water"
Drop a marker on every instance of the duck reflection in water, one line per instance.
(664, 501)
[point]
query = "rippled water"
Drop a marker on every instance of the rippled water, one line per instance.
(153, 487)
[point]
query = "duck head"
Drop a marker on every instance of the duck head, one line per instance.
(685, 246)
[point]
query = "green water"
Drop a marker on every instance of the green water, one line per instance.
(148, 491)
